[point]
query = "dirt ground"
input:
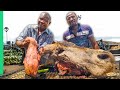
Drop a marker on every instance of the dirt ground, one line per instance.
(11, 68)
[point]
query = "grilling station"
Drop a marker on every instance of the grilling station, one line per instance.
(50, 73)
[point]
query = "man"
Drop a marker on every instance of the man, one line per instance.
(81, 35)
(39, 32)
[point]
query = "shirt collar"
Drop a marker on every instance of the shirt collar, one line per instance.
(79, 28)
(45, 31)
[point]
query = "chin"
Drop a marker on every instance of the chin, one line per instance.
(73, 24)
(42, 28)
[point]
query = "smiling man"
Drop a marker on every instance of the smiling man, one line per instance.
(81, 35)
(39, 32)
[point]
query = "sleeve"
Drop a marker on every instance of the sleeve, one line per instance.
(64, 36)
(90, 31)
(23, 34)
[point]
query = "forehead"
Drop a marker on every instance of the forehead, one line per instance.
(44, 15)
(70, 14)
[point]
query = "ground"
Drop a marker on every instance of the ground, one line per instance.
(12, 68)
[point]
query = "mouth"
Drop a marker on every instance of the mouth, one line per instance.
(72, 23)
(71, 69)
(42, 25)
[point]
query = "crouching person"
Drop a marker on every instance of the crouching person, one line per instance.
(37, 35)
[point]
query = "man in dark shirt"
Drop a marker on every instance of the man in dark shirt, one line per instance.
(79, 34)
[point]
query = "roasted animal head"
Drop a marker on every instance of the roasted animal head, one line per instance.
(96, 61)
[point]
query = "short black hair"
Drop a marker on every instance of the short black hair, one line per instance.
(46, 14)
(71, 12)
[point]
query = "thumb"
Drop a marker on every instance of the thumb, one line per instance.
(42, 50)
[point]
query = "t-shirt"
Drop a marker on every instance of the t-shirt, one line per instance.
(81, 39)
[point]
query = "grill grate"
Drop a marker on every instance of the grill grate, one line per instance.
(52, 75)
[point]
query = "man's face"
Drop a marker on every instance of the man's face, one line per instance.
(43, 21)
(72, 19)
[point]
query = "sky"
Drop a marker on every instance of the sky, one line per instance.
(103, 23)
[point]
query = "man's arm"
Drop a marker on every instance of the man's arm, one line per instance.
(22, 44)
(93, 42)
(64, 36)
(20, 40)
(92, 38)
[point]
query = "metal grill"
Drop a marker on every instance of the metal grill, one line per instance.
(20, 74)
(53, 75)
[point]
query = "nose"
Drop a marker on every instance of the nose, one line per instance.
(71, 19)
(42, 21)
(103, 56)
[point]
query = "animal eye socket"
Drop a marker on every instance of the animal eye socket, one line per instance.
(59, 50)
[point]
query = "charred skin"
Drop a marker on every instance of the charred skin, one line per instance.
(31, 60)
(97, 62)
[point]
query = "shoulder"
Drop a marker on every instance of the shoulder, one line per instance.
(66, 33)
(86, 27)
(49, 32)
(32, 26)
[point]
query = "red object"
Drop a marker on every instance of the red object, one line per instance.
(68, 68)
(31, 60)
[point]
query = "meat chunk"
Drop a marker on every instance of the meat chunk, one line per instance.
(71, 69)
(31, 60)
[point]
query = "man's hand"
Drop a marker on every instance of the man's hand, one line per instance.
(93, 42)
(41, 51)
(24, 43)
